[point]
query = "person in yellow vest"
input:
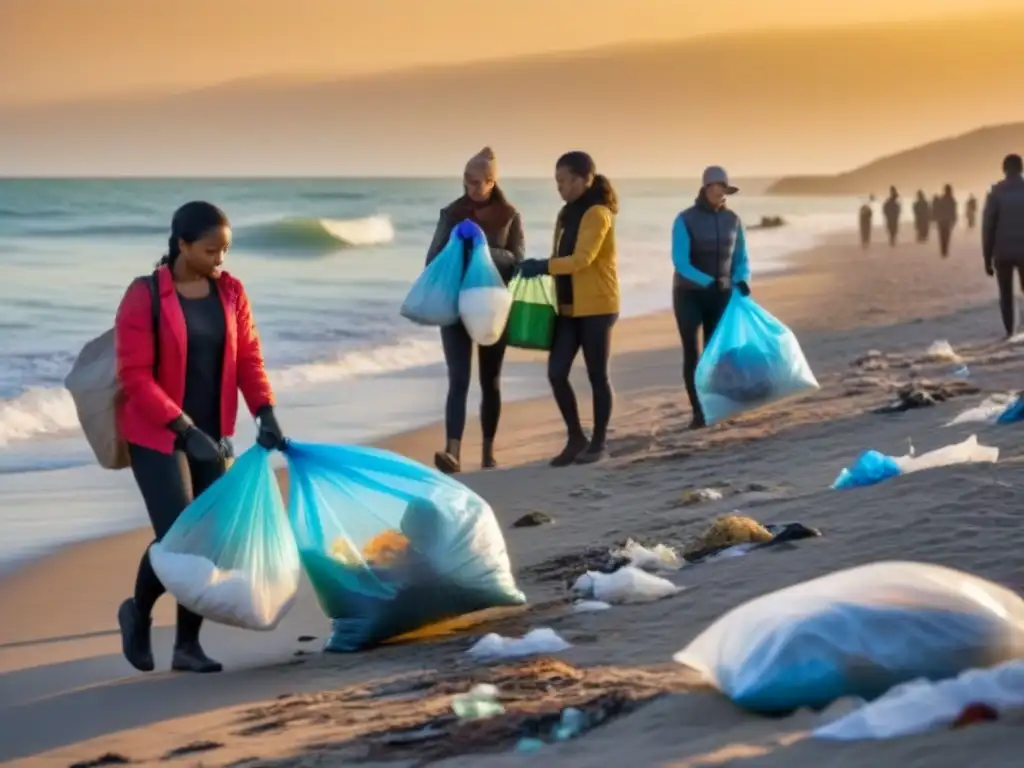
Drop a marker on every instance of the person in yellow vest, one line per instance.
(584, 264)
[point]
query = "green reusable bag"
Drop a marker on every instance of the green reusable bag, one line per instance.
(531, 323)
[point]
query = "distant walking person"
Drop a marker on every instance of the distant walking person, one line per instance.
(891, 209)
(922, 217)
(1002, 236)
(945, 212)
(971, 211)
(867, 212)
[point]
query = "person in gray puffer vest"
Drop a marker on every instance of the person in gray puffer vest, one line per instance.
(709, 253)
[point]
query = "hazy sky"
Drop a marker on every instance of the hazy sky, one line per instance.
(68, 49)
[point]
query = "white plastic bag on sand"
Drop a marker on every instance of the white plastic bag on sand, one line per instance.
(942, 351)
(589, 606)
(494, 646)
(626, 585)
(967, 452)
(986, 412)
(657, 558)
(920, 705)
(857, 632)
(484, 300)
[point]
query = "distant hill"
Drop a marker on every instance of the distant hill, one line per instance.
(969, 161)
(760, 103)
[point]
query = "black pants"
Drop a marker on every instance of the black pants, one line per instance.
(1007, 304)
(458, 355)
(168, 483)
(945, 234)
(865, 236)
(894, 230)
(594, 336)
(696, 310)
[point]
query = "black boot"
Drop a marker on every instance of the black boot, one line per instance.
(135, 639)
(190, 657)
(487, 461)
(595, 452)
(447, 461)
(576, 445)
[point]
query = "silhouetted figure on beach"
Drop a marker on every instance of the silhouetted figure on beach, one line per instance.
(922, 217)
(945, 213)
(1002, 236)
(867, 213)
(971, 211)
(891, 209)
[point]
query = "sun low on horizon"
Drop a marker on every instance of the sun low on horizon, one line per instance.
(69, 50)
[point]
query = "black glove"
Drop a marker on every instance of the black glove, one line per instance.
(989, 269)
(197, 444)
(743, 288)
(532, 268)
(269, 435)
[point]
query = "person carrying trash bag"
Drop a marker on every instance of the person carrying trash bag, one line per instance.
(178, 402)
(390, 545)
(584, 265)
(709, 253)
(482, 214)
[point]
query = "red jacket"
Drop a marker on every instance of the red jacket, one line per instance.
(149, 404)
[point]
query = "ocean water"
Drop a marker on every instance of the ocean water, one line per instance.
(326, 263)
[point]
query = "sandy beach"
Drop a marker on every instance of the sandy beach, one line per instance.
(67, 697)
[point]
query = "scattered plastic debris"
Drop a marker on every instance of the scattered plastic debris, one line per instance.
(872, 467)
(494, 646)
(656, 558)
(942, 351)
(920, 705)
(699, 496)
(480, 702)
(589, 606)
(626, 585)
(987, 411)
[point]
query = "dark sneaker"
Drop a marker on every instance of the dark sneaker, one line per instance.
(447, 463)
(191, 658)
(135, 639)
(573, 448)
(592, 455)
(697, 422)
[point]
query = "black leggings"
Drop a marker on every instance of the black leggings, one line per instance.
(169, 483)
(1007, 304)
(458, 355)
(594, 336)
(696, 310)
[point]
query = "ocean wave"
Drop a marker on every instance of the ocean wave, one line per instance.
(50, 411)
(313, 235)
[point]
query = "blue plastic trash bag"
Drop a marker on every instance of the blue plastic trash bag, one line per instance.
(434, 297)
(857, 632)
(751, 360)
(485, 300)
(870, 468)
(231, 556)
(1014, 412)
(468, 229)
(391, 546)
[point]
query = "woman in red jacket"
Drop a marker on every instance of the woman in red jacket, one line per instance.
(176, 419)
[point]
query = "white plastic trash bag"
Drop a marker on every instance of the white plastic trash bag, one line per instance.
(484, 301)
(231, 556)
(857, 632)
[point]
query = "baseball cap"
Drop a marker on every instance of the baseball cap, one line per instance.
(716, 174)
